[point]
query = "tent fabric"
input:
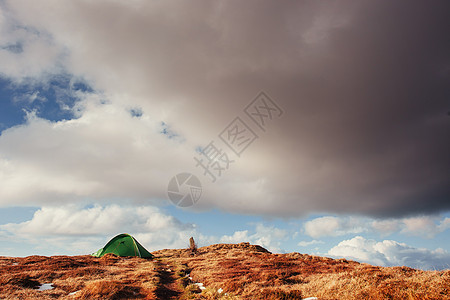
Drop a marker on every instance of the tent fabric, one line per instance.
(123, 245)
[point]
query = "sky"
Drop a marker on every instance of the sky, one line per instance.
(318, 127)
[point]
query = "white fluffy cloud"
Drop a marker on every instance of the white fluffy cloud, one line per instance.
(333, 226)
(25, 52)
(268, 237)
(390, 253)
(81, 230)
(309, 243)
(75, 230)
(109, 155)
(423, 226)
(106, 153)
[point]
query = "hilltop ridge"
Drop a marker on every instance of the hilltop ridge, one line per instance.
(220, 271)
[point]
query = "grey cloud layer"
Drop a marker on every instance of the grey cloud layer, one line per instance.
(364, 86)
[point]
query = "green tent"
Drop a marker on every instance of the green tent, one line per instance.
(123, 245)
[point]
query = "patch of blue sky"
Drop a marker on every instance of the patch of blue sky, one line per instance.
(199, 149)
(14, 48)
(10, 113)
(52, 100)
(214, 222)
(168, 132)
(10, 247)
(136, 112)
(440, 240)
(16, 214)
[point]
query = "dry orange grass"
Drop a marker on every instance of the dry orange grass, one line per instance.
(250, 272)
(228, 271)
(109, 277)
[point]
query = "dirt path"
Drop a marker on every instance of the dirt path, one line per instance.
(168, 287)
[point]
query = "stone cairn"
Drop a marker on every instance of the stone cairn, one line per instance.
(192, 245)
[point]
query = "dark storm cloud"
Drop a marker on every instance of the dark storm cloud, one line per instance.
(364, 85)
(381, 110)
(366, 101)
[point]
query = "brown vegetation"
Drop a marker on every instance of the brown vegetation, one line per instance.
(78, 277)
(251, 272)
(227, 271)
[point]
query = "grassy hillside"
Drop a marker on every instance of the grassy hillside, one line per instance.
(224, 271)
